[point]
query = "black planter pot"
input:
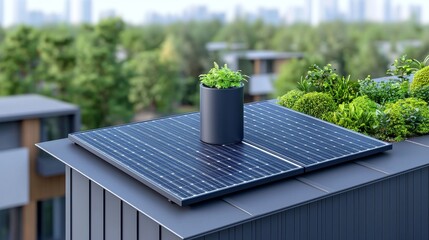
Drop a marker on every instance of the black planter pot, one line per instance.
(221, 113)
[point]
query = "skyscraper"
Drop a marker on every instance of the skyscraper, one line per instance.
(387, 11)
(324, 10)
(330, 10)
(1, 13)
(80, 11)
(415, 13)
(269, 15)
(19, 12)
(316, 16)
(66, 11)
(87, 11)
(357, 10)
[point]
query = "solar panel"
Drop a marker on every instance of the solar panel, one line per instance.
(307, 141)
(167, 155)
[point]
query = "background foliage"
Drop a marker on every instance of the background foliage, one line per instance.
(113, 70)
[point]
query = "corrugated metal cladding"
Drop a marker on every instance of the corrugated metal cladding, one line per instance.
(394, 208)
(97, 214)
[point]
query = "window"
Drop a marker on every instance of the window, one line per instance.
(51, 129)
(270, 66)
(55, 128)
(10, 135)
(51, 219)
(10, 227)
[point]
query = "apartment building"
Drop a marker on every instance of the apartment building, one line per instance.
(31, 182)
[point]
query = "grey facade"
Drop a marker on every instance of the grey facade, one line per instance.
(385, 196)
(31, 181)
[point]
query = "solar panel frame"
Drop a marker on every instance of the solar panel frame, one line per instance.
(382, 147)
(173, 197)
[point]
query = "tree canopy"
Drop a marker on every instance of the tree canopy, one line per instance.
(113, 70)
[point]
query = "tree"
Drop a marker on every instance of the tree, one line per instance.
(58, 61)
(291, 72)
(19, 60)
(154, 79)
(190, 40)
(100, 85)
(138, 39)
(238, 31)
(366, 61)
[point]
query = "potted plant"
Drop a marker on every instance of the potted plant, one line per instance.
(221, 106)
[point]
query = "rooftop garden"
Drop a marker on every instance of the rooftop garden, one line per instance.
(390, 109)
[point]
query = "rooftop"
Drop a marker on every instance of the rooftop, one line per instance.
(29, 106)
(198, 219)
(263, 54)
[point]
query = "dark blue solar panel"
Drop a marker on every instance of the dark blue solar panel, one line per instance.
(167, 155)
(308, 141)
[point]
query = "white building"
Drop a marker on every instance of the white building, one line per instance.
(79, 11)
(1, 13)
(19, 13)
(357, 10)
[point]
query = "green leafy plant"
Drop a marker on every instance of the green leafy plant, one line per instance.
(421, 93)
(289, 99)
(222, 77)
(421, 79)
(359, 115)
(315, 104)
(319, 78)
(404, 118)
(385, 91)
(325, 79)
(304, 85)
(404, 67)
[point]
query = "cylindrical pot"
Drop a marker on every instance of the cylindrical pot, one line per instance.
(221, 112)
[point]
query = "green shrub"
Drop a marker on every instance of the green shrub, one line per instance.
(360, 115)
(421, 79)
(222, 77)
(421, 93)
(290, 98)
(365, 103)
(317, 78)
(315, 104)
(385, 91)
(326, 80)
(404, 118)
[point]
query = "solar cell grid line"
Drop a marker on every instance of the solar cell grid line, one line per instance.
(185, 166)
(294, 137)
(171, 132)
(309, 161)
(153, 169)
(322, 135)
(186, 171)
(167, 155)
(310, 150)
(308, 141)
(345, 137)
(297, 150)
(225, 154)
(327, 128)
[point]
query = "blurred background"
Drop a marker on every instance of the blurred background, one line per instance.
(123, 61)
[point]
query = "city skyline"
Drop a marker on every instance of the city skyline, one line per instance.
(127, 9)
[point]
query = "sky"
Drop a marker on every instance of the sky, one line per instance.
(134, 10)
